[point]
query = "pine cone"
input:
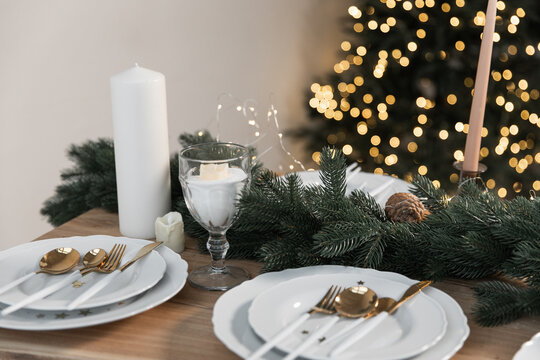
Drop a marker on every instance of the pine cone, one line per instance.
(405, 207)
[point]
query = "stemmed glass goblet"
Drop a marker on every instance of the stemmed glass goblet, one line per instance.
(212, 176)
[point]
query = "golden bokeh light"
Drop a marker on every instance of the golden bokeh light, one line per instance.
(355, 12)
(375, 140)
(443, 134)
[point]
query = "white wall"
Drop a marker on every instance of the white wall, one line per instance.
(56, 57)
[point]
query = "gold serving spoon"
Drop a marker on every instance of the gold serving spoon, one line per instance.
(60, 261)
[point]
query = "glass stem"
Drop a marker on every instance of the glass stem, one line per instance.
(218, 245)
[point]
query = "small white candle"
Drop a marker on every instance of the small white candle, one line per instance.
(141, 149)
(214, 171)
(170, 230)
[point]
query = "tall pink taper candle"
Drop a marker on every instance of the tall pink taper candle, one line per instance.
(476, 119)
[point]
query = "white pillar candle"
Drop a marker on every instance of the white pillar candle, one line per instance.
(170, 230)
(141, 149)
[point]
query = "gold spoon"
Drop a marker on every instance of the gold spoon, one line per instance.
(57, 261)
(356, 301)
(94, 258)
(60, 261)
(387, 308)
(383, 304)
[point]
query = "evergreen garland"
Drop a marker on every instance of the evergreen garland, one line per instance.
(286, 224)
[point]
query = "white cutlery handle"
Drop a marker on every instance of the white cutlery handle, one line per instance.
(312, 338)
(16, 282)
(93, 290)
(42, 293)
(370, 325)
(351, 324)
(278, 337)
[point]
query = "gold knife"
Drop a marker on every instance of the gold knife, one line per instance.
(411, 291)
(141, 253)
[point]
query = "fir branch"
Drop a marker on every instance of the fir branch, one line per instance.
(89, 184)
(368, 204)
(524, 263)
(278, 255)
(371, 254)
(333, 176)
(338, 238)
(432, 197)
(500, 303)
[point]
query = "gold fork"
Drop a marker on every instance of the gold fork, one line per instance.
(325, 306)
(111, 262)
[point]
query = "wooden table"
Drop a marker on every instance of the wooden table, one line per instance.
(182, 329)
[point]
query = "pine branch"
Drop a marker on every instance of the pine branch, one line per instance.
(333, 178)
(338, 238)
(501, 303)
(433, 198)
(368, 204)
(371, 254)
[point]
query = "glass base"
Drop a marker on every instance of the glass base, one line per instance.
(207, 278)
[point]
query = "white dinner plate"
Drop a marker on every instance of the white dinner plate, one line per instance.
(381, 187)
(530, 350)
(21, 260)
(230, 315)
(172, 281)
(415, 327)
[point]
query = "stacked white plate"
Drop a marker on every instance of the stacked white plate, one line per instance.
(430, 326)
(530, 350)
(381, 187)
(149, 282)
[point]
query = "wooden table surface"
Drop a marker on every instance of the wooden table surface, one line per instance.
(181, 328)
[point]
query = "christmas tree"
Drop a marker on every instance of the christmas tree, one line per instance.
(399, 99)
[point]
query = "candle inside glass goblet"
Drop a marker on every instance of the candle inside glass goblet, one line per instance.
(212, 176)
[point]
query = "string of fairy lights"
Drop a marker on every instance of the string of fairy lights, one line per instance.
(269, 129)
(333, 102)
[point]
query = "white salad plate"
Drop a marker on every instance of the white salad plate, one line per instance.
(417, 325)
(173, 280)
(232, 328)
(24, 259)
(381, 187)
(530, 350)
